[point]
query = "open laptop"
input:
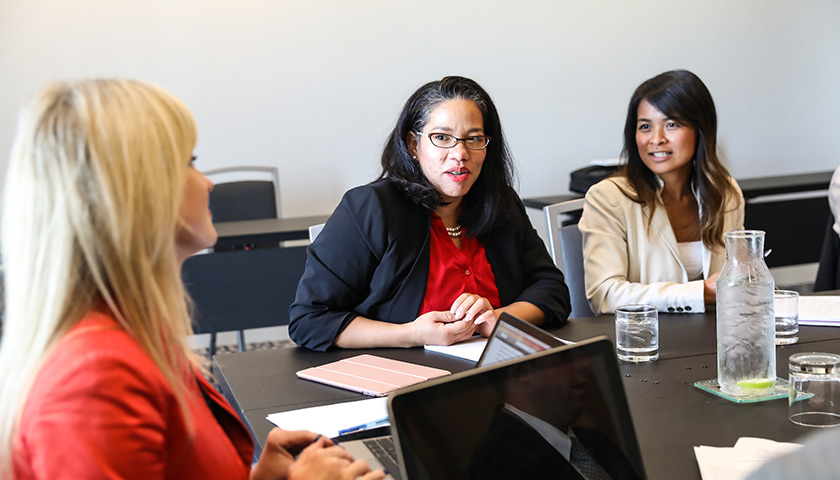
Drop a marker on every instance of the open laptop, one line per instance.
(449, 428)
(513, 337)
(510, 338)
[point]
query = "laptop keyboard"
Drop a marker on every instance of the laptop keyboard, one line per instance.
(383, 449)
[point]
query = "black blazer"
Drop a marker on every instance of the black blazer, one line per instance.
(512, 449)
(372, 260)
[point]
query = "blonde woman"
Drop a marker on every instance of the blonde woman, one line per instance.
(102, 206)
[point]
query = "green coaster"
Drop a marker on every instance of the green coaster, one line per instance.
(780, 390)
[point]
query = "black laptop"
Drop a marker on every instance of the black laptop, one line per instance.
(484, 423)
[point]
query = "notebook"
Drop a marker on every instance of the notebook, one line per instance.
(370, 375)
(455, 427)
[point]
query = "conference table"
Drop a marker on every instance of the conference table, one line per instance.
(669, 414)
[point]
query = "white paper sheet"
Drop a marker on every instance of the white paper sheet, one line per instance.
(736, 463)
(469, 349)
(329, 419)
(819, 310)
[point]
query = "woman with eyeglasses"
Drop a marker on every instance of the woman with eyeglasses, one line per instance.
(653, 233)
(438, 246)
(102, 206)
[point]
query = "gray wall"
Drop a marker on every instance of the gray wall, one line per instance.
(313, 86)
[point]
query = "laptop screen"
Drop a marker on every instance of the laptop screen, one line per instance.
(513, 338)
(504, 421)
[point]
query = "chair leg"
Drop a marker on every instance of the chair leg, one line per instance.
(240, 339)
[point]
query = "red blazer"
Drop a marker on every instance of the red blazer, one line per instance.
(101, 409)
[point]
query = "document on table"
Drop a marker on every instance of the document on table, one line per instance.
(819, 310)
(736, 463)
(468, 349)
(328, 420)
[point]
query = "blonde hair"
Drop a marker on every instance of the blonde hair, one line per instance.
(90, 216)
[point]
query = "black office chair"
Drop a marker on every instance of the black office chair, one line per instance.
(244, 193)
(828, 273)
(243, 289)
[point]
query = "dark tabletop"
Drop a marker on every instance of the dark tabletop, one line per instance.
(266, 230)
(670, 415)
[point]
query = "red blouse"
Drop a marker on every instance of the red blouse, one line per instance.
(453, 272)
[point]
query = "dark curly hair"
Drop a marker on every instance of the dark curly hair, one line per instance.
(489, 198)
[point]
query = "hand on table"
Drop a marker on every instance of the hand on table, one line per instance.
(710, 289)
(440, 328)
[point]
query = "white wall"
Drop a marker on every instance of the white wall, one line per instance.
(314, 86)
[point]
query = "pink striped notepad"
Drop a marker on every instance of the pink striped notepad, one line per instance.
(370, 375)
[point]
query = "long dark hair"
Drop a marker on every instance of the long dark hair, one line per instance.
(681, 95)
(488, 200)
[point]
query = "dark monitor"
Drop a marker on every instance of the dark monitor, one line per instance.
(481, 423)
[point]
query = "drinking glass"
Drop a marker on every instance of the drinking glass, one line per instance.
(814, 399)
(787, 316)
(637, 333)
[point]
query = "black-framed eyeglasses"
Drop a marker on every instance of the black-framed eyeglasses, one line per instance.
(445, 140)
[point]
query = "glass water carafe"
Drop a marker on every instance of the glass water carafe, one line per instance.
(746, 330)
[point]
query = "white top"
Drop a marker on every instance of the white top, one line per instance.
(691, 256)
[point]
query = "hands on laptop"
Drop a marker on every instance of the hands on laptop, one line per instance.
(318, 458)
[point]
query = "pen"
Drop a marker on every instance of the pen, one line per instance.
(365, 426)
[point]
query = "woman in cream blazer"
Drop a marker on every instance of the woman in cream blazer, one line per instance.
(653, 233)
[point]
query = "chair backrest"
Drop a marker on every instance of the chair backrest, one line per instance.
(566, 248)
(554, 216)
(244, 193)
(571, 250)
(314, 230)
(243, 289)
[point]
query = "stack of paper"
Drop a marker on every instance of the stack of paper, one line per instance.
(330, 419)
(736, 463)
(819, 310)
(469, 349)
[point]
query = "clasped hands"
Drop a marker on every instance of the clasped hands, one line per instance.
(470, 313)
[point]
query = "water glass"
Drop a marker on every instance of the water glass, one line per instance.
(787, 316)
(637, 333)
(814, 389)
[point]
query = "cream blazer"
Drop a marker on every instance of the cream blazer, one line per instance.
(625, 263)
